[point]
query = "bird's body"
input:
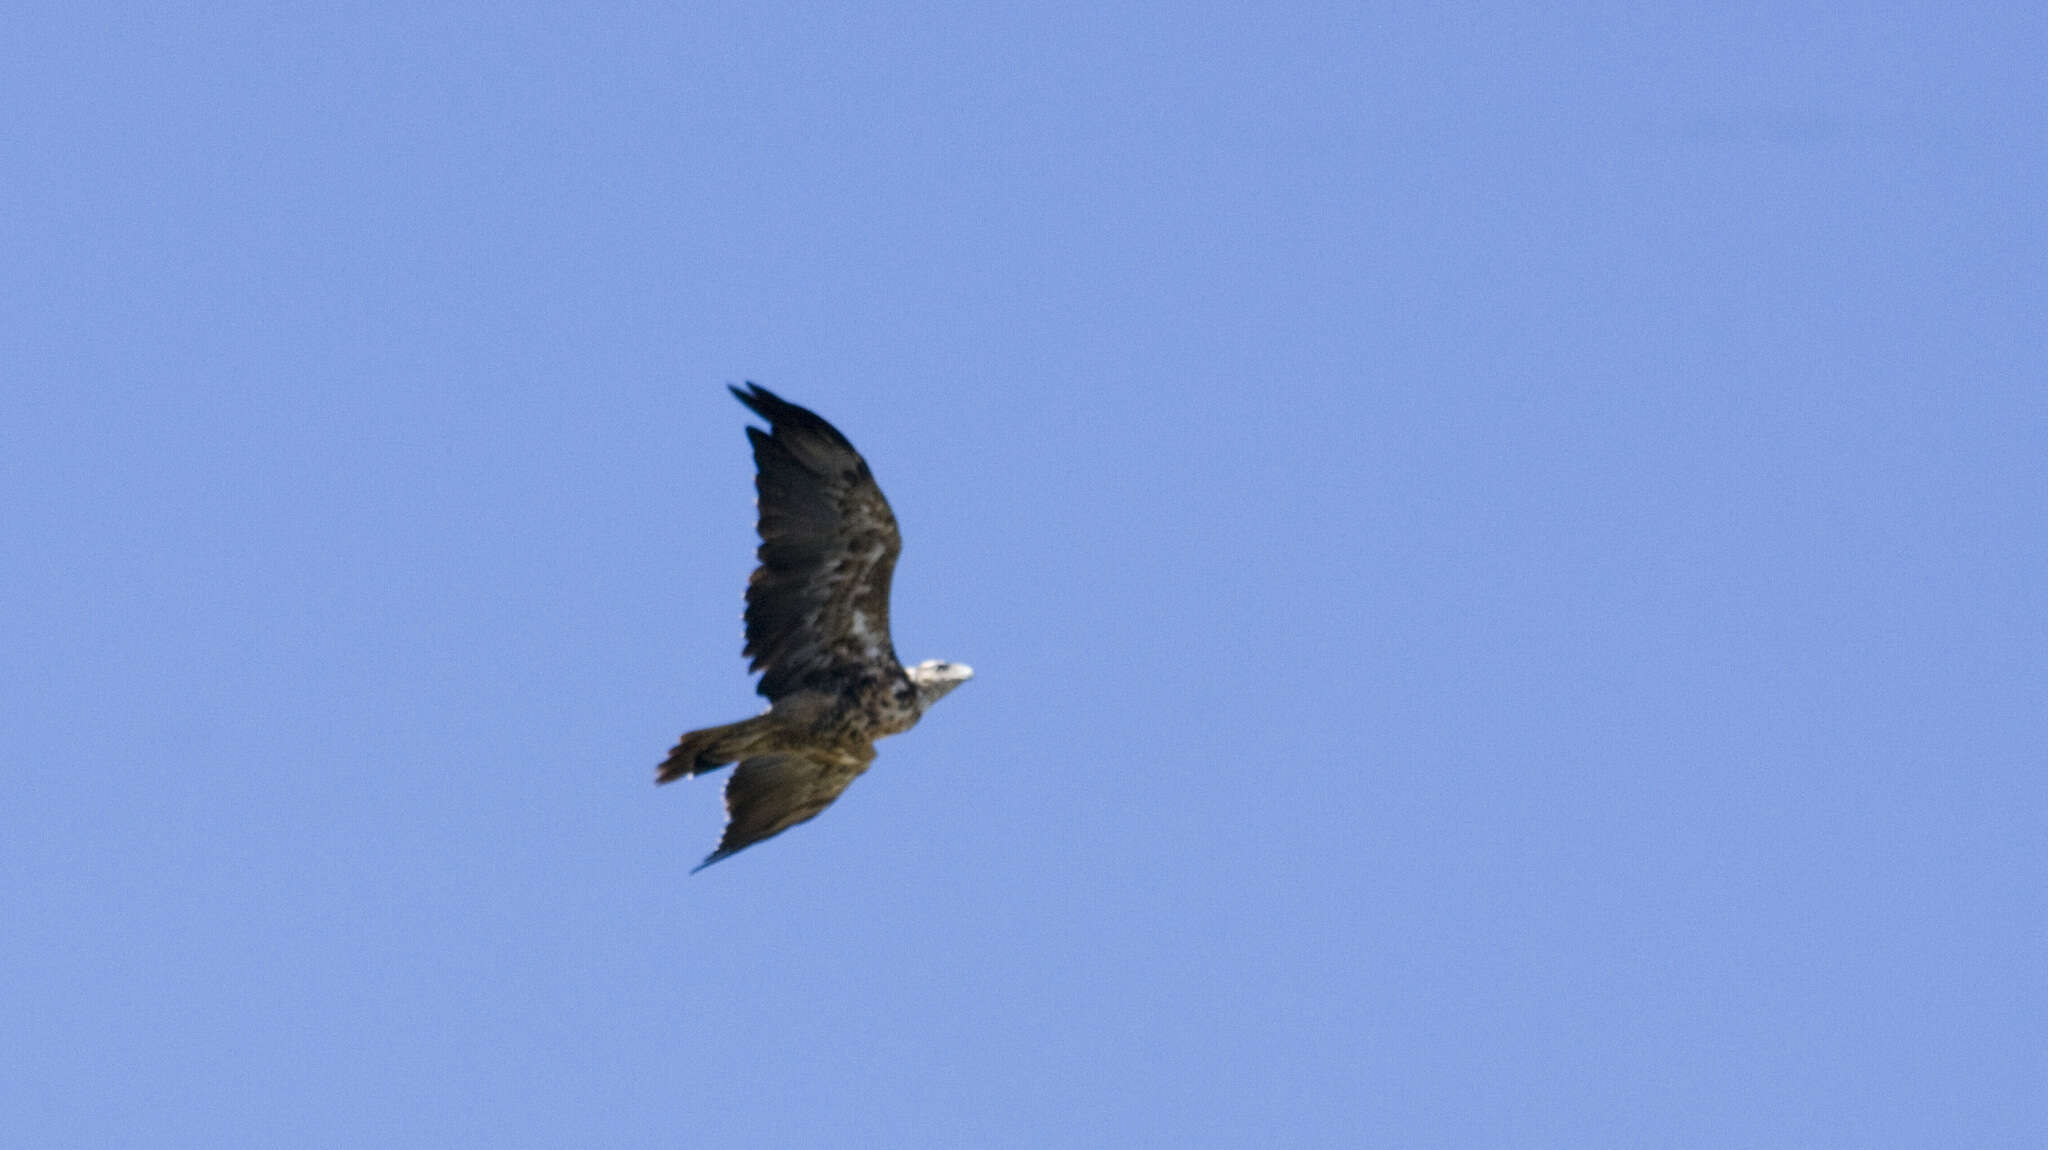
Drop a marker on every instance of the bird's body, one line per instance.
(817, 629)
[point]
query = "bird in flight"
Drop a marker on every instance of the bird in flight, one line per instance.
(817, 630)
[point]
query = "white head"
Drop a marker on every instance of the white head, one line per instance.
(935, 677)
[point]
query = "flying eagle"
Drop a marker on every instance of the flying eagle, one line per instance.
(818, 629)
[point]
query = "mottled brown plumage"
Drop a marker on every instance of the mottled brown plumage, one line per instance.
(817, 630)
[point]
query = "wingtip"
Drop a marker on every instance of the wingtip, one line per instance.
(759, 400)
(714, 856)
(785, 417)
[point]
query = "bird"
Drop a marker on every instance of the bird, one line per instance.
(817, 623)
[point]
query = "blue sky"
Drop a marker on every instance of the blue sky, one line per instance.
(1504, 553)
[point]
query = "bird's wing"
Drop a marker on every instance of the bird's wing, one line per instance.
(769, 794)
(818, 605)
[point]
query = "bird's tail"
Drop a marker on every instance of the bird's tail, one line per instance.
(714, 747)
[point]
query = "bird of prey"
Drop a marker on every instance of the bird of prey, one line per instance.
(817, 630)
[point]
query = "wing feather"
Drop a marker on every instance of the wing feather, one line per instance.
(769, 794)
(818, 604)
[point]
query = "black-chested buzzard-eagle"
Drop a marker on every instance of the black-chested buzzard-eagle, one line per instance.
(817, 629)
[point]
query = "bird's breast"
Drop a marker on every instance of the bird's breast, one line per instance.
(890, 706)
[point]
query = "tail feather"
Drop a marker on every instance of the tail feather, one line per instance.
(712, 748)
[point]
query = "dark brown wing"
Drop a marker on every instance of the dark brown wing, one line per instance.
(769, 794)
(818, 605)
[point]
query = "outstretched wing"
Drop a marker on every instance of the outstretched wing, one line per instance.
(818, 605)
(769, 794)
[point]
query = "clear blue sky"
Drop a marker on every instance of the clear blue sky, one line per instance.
(1506, 555)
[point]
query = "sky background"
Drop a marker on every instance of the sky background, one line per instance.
(1506, 555)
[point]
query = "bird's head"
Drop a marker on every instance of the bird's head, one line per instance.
(935, 677)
